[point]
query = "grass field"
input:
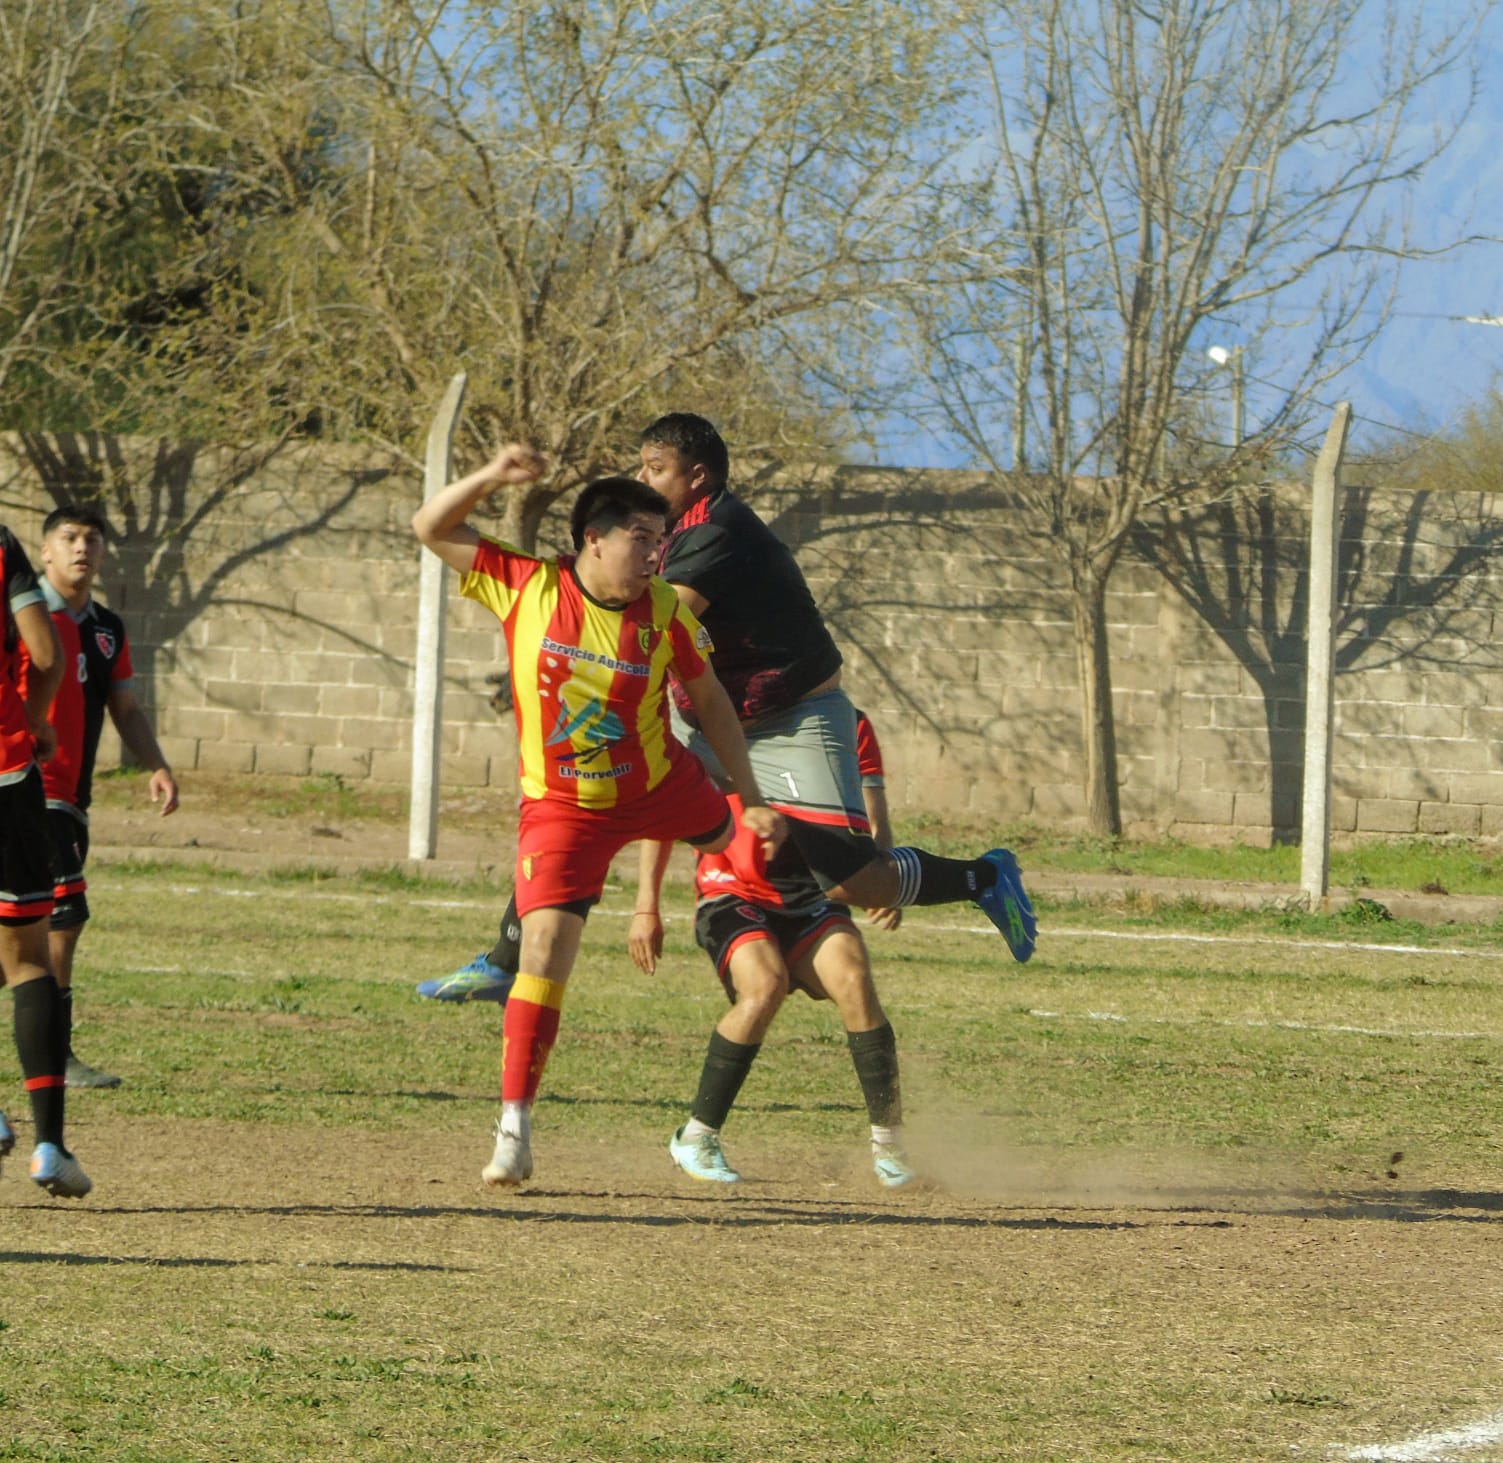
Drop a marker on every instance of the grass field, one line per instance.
(1203, 1188)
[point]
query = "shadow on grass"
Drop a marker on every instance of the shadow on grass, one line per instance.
(197, 1262)
(1416, 1206)
(674, 1105)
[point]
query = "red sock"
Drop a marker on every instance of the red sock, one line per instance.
(527, 1035)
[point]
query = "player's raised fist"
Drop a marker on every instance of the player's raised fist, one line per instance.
(517, 463)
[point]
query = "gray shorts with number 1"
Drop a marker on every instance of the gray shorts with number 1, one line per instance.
(804, 760)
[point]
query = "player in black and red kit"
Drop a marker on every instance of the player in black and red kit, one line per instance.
(26, 885)
(98, 678)
(781, 668)
(767, 932)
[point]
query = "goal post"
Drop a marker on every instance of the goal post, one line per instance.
(428, 667)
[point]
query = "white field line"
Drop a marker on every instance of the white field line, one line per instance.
(1264, 940)
(183, 970)
(1251, 1024)
(1433, 1447)
(1129, 935)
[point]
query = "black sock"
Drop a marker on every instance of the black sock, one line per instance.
(926, 878)
(65, 996)
(875, 1056)
(507, 951)
(726, 1066)
(42, 1046)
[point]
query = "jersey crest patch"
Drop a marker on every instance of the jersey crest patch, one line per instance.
(105, 640)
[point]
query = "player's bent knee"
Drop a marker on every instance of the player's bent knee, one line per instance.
(873, 886)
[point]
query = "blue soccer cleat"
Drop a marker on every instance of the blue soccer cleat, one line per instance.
(702, 1158)
(477, 981)
(1007, 906)
(58, 1172)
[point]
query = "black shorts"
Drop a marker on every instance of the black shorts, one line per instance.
(70, 849)
(722, 926)
(26, 883)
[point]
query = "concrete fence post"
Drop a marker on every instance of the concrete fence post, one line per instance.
(428, 682)
(1315, 834)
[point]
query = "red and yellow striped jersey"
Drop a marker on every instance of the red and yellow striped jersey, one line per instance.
(587, 680)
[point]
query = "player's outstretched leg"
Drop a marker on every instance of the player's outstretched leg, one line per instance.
(1007, 905)
(490, 975)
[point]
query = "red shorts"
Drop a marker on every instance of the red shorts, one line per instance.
(564, 852)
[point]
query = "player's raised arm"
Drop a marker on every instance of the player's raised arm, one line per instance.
(441, 524)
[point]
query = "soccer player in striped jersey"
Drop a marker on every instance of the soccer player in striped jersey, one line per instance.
(591, 639)
(26, 885)
(769, 930)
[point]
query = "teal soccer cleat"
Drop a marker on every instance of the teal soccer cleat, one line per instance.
(892, 1166)
(1006, 905)
(477, 981)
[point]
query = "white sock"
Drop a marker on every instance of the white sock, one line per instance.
(516, 1120)
(886, 1137)
(696, 1129)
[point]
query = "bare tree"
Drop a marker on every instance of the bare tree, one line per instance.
(597, 210)
(634, 206)
(1157, 180)
(46, 186)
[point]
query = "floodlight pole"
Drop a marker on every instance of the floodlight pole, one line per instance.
(1315, 835)
(1231, 358)
(428, 680)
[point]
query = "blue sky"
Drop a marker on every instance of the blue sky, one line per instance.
(1427, 362)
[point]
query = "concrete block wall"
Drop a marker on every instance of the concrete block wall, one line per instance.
(272, 617)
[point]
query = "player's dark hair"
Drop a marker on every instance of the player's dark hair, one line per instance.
(608, 503)
(73, 513)
(695, 440)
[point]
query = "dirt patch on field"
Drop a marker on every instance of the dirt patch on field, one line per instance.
(231, 822)
(266, 823)
(304, 1268)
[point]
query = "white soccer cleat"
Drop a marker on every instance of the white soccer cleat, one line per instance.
(702, 1158)
(510, 1164)
(892, 1167)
